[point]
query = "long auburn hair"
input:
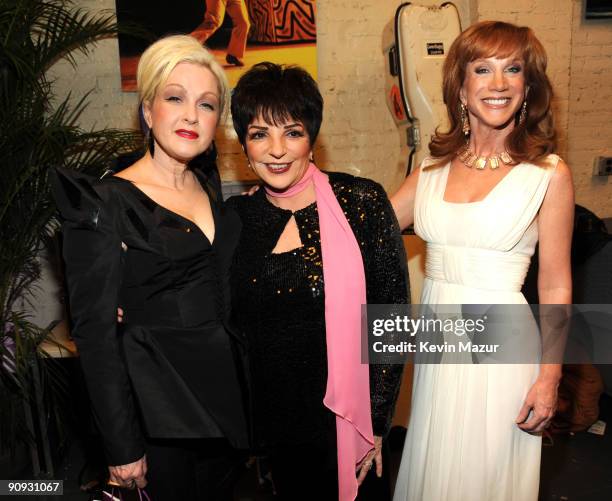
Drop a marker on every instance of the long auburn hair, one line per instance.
(536, 137)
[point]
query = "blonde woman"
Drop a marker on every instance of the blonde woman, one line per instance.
(155, 239)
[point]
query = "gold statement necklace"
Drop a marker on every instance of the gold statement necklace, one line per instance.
(470, 159)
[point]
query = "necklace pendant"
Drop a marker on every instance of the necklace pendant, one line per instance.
(470, 160)
(505, 157)
(481, 163)
(464, 154)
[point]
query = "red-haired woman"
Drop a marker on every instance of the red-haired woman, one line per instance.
(492, 188)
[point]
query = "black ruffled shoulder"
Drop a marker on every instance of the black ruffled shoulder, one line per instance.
(79, 197)
(93, 257)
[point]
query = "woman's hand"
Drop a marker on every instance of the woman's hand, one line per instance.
(374, 456)
(130, 475)
(542, 400)
(252, 190)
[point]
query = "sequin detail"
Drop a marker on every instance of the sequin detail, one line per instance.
(278, 302)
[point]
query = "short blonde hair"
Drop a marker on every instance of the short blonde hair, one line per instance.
(161, 57)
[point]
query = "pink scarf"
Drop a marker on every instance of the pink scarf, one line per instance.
(348, 380)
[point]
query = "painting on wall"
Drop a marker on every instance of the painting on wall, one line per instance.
(240, 33)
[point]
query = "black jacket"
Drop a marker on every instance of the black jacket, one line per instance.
(278, 303)
(169, 371)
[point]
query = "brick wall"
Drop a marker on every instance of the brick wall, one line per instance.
(590, 109)
(358, 134)
(99, 72)
(580, 67)
(551, 21)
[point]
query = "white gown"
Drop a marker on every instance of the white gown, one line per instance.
(462, 442)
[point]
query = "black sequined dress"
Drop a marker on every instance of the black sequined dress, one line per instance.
(278, 302)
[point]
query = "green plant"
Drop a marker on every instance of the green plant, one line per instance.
(38, 131)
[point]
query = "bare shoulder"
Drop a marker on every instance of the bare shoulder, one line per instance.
(561, 181)
(562, 173)
(407, 191)
(560, 193)
(402, 200)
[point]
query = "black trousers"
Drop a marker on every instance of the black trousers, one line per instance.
(192, 470)
(309, 472)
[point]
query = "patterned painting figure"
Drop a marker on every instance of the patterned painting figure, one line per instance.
(213, 18)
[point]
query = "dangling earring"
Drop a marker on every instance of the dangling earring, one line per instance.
(150, 142)
(311, 157)
(465, 123)
(523, 115)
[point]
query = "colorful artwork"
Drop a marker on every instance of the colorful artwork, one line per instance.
(277, 21)
(240, 33)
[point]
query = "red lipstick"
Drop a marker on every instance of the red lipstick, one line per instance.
(278, 169)
(187, 134)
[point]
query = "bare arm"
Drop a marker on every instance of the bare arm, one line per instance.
(555, 226)
(403, 200)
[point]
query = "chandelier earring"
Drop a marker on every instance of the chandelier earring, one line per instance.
(523, 115)
(465, 123)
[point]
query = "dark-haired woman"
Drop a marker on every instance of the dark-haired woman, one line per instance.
(491, 190)
(314, 247)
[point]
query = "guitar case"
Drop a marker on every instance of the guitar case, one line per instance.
(415, 44)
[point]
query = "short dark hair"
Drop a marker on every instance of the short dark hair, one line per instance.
(277, 94)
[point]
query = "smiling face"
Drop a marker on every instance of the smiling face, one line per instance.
(279, 154)
(493, 91)
(184, 113)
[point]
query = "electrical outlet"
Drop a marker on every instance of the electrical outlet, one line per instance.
(603, 166)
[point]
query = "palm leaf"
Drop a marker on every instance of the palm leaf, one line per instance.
(37, 133)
